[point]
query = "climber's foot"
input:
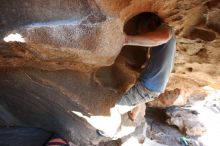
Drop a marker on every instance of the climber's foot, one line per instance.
(135, 96)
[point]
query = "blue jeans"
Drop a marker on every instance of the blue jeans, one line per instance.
(156, 75)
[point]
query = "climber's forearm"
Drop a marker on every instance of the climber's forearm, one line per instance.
(150, 39)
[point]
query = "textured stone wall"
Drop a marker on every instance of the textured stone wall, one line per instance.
(70, 60)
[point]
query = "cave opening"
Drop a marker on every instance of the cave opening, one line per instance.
(132, 24)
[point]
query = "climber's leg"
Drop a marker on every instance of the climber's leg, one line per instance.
(154, 78)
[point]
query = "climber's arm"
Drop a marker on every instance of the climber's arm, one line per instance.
(150, 39)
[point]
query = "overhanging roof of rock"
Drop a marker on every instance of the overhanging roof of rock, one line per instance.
(90, 32)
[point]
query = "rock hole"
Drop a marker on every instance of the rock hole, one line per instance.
(190, 69)
(142, 21)
(157, 114)
(203, 53)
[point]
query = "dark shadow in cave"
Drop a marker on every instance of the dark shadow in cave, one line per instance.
(114, 77)
(131, 26)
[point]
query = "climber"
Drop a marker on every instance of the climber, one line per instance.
(153, 33)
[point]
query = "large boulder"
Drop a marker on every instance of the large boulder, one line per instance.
(60, 57)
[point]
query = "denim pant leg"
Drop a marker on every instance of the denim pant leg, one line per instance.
(156, 75)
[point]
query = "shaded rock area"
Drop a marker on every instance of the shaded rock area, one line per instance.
(159, 130)
(57, 57)
(23, 136)
(213, 20)
(186, 120)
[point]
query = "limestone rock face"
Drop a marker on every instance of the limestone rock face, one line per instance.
(57, 57)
